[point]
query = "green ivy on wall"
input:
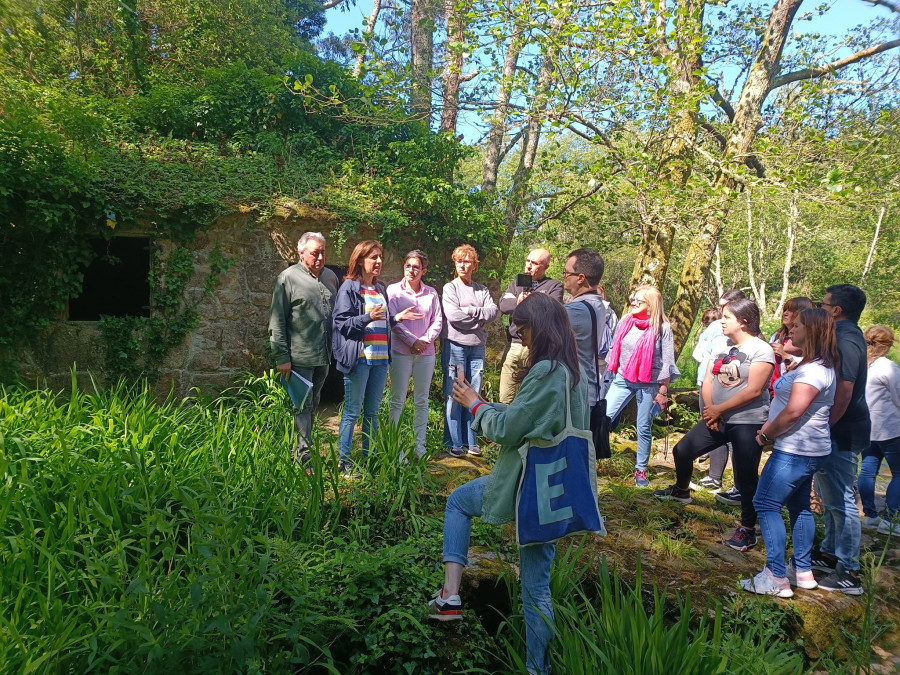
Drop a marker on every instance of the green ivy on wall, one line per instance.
(136, 347)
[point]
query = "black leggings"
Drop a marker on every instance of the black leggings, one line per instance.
(745, 456)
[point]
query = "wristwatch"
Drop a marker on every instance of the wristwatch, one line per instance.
(765, 438)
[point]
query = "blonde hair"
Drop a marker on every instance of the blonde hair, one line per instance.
(464, 250)
(655, 302)
(879, 340)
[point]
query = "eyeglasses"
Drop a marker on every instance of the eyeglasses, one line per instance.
(822, 304)
(636, 302)
(566, 274)
(412, 268)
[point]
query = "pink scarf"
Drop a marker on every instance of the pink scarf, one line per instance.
(640, 365)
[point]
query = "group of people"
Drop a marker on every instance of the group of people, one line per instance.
(803, 391)
(821, 394)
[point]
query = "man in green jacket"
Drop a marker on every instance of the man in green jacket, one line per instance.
(300, 326)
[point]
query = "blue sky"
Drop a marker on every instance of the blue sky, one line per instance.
(843, 14)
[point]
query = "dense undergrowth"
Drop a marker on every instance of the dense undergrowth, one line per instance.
(137, 536)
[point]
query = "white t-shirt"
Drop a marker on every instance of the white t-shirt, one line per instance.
(811, 435)
(883, 398)
(731, 374)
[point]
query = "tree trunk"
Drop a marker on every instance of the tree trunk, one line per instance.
(421, 58)
(744, 126)
(868, 265)
(493, 152)
(658, 227)
(758, 290)
(456, 37)
(717, 274)
(536, 116)
(370, 31)
(793, 220)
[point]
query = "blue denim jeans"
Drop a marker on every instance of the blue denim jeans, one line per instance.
(621, 391)
(834, 481)
(447, 389)
(363, 389)
(871, 463)
(785, 481)
(469, 360)
(465, 503)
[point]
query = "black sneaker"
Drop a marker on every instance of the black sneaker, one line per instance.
(823, 562)
(731, 497)
(742, 540)
(843, 581)
(347, 470)
(674, 493)
(445, 609)
(458, 452)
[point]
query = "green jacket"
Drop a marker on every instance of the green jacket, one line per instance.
(300, 318)
(537, 412)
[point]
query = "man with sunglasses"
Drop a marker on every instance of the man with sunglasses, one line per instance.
(850, 429)
(516, 356)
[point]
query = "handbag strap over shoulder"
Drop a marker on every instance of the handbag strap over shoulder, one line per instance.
(596, 345)
(568, 399)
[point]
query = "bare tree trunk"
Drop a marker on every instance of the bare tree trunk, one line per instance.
(751, 271)
(370, 31)
(536, 117)
(493, 152)
(792, 222)
(456, 37)
(421, 57)
(868, 265)
(717, 273)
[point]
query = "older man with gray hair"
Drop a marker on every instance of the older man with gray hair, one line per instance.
(300, 326)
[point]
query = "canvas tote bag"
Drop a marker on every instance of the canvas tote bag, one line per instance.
(558, 486)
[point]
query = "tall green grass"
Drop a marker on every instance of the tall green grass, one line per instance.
(141, 536)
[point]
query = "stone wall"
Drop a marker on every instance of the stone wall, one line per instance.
(232, 336)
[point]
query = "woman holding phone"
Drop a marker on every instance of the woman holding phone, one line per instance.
(361, 342)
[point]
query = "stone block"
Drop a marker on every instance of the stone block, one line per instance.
(206, 361)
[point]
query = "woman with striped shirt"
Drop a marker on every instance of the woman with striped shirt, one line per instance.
(361, 340)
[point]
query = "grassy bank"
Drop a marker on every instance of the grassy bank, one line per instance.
(180, 537)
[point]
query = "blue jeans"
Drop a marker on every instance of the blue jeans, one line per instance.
(447, 388)
(785, 481)
(469, 360)
(363, 389)
(871, 463)
(621, 391)
(834, 481)
(465, 503)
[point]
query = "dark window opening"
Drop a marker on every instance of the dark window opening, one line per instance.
(117, 282)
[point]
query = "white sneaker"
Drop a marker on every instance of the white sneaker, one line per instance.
(766, 583)
(801, 579)
(889, 527)
(870, 523)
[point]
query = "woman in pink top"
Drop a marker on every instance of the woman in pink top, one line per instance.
(412, 349)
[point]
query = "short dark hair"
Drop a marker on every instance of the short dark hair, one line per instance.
(589, 263)
(851, 299)
(747, 312)
(416, 253)
(733, 294)
(552, 338)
